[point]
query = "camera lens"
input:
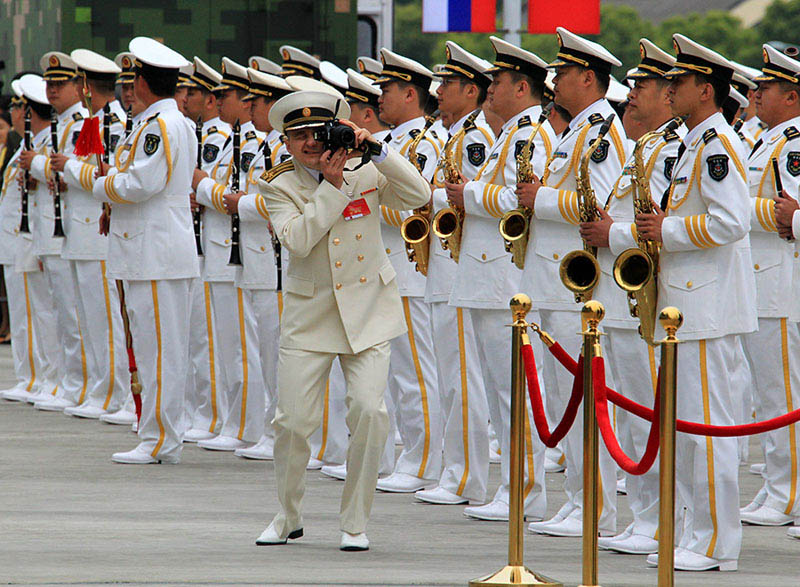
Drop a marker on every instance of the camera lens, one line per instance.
(342, 136)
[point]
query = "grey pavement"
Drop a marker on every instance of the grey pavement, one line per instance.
(68, 515)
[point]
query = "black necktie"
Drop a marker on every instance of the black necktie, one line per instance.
(665, 196)
(759, 142)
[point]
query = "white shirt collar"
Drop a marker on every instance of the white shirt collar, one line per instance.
(404, 127)
(715, 120)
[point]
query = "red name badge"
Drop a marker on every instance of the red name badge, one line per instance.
(356, 209)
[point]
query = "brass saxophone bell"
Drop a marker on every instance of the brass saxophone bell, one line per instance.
(515, 230)
(415, 231)
(579, 272)
(633, 269)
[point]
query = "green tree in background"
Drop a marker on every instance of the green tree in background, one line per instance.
(621, 28)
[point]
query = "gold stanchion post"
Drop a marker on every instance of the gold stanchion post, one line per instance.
(671, 319)
(591, 315)
(516, 573)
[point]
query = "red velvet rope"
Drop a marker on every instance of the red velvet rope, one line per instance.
(682, 425)
(604, 423)
(551, 439)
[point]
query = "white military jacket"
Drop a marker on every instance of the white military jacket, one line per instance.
(410, 282)
(659, 155)
(554, 229)
(773, 258)
(705, 264)
(10, 211)
(216, 221)
(151, 234)
(214, 134)
(486, 277)
(81, 224)
(340, 294)
(471, 151)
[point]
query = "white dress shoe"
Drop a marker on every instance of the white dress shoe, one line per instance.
(440, 496)
(686, 560)
(758, 468)
(571, 526)
(135, 426)
(16, 394)
(85, 410)
(314, 464)
(634, 544)
(494, 511)
(335, 471)
(793, 532)
(621, 487)
(55, 404)
(119, 417)
(403, 483)
(551, 466)
(42, 395)
(398, 441)
(757, 502)
(604, 542)
(354, 542)
(223, 443)
(261, 451)
(270, 536)
(137, 456)
(767, 516)
(196, 435)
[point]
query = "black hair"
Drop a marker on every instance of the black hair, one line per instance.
(562, 112)
(603, 79)
(42, 110)
(536, 88)
(721, 88)
(104, 85)
(481, 89)
(161, 82)
(422, 93)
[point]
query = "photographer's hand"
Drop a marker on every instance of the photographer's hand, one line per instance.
(362, 134)
(332, 165)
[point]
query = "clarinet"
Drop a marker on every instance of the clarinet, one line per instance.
(128, 122)
(276, 244)
(198, 131)
(58, 229)
(236, 254)
(28, 138)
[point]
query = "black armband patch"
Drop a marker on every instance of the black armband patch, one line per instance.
(600, 153)
(793, 163)
(210, 152)
(476, 153)
(151, 143)
(669, 166)
(717, 166)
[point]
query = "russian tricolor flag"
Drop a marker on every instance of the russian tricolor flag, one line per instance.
(443, 16)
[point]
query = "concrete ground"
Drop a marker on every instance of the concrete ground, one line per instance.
(68, 515)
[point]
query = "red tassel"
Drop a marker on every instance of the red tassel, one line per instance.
(89, 141)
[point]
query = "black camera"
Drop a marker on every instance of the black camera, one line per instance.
(335, 135)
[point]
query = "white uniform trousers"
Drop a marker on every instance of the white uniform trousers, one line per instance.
(103, 335)
(243, 417)
(634, 366)
(413, 386)
(20, 322)
(743, 383)
(774, 350)
(301, 387)
(707, 469)
(494, 350)
(564, 328)
(202, 394)
(329, 442)
(266, 310)
(158, 313)
(73, 377)
(48, 354)
(465, 413)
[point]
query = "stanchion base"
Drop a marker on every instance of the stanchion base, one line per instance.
(510, 576)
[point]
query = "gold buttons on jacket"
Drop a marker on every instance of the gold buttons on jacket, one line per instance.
(263, 248)
(363, 279)
(125, 235)
(361, 257)
(88, 219)
(388, 250)
(358, 236)
(336, 241)
(338, 286)
(227, 241)
(796, 254)
(483, 256)
(338, 264)
(756, 267)
(555, 256)
(688, 284)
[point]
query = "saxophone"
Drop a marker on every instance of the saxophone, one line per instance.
(515, 224)
(579, 270)
(636, 269)
(416, 229)
(448, 222)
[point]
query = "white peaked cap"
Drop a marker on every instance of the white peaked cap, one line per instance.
(778, 67)
(369, 67)
(204, 75)
(311, 104)
(33, 88)
(575, 50)
(264, 64)
(333, 75)
(155, 54)
(92, 62)
(398, 68)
